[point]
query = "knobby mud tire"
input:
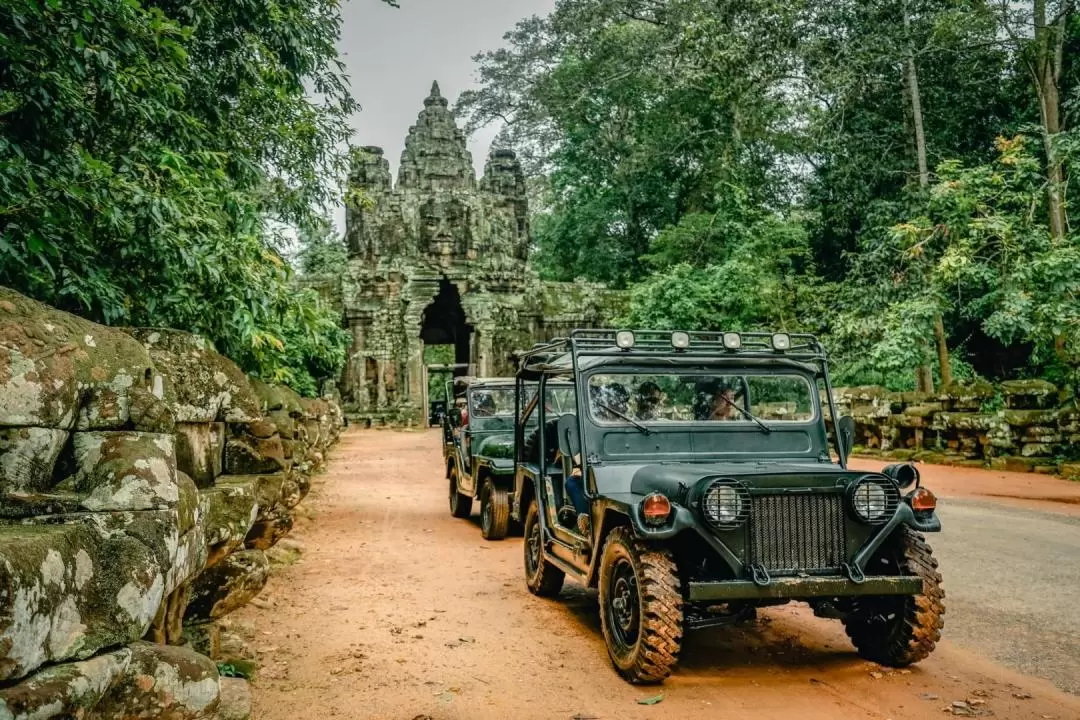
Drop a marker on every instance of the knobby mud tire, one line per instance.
(651, 658)
(460, 505)
(494, 511)
(901, 631)
(541, 577)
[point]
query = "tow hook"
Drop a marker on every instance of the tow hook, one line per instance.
(854, 573)
(760, 575)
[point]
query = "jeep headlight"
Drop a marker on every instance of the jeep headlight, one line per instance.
(874, 500)
(726, 504)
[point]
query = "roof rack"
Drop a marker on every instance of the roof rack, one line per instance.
(794, 346)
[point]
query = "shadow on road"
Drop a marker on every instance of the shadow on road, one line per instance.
(775, 639)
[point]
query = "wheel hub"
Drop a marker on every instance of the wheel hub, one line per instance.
(622, 602)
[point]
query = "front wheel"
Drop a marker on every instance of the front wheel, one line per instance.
(460, 505)
(902, 630)
(641, 607)
(494, 511)
(542, 578)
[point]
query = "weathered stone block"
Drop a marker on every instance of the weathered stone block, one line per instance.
(71, 690)
(1036, 450)
(124, 471)
(188, 510)
(923, 411)
(1029, 394)
(51, 362)
(265, 533)
(204, 639)
(200, 451)
(232, 509)
(199, 384)
(965, 397)
(28, 457)
(228, 585)
(235, 700)
(1046, 435)
(267, 490)
(1024, 418)
(71, 590)
(162, 682)
(247, 455)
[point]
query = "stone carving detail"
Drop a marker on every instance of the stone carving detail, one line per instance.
(440, 258)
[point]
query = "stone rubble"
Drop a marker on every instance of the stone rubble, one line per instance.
(142, 478)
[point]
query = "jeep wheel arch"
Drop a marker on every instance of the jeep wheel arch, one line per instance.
(612, 519)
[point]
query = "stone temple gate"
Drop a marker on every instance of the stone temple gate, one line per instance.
(440, 258)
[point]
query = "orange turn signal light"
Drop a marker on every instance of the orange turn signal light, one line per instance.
(923, 499)
(656, 508)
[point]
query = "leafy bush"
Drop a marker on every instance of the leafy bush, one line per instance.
(151, 153)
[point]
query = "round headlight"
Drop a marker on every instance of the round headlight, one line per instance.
(874, 501)
(726, 504)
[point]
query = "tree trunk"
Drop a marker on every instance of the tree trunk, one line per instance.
(1049, 46)
(942, 350)
(924, 379)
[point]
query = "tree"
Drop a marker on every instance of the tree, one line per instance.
(149, 151)
(321, 250)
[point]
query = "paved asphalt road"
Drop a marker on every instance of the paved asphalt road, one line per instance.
(1012, 583)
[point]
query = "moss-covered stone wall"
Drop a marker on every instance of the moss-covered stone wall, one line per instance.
(142, 478)
(1021, 425)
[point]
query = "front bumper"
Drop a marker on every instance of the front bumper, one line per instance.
(803, 587)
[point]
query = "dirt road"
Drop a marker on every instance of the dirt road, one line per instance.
(398, 611)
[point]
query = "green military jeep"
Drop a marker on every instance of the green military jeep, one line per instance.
(478, 450)
(707, 488)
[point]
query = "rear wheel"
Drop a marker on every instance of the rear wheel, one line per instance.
(900, 630)
(543, 578)
(460, 505)
(641, 607)
(494, 511)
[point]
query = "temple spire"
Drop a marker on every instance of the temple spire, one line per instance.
(435, 153)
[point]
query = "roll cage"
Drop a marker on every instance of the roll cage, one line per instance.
(587, 350)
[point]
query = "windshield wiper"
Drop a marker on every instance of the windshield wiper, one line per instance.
(748, 415)
(627, 418)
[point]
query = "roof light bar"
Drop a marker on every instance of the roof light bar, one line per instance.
(624, 339)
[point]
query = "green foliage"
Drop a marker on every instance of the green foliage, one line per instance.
(322, 251)
(756, 165)
(151, 152)
(438, 355)
(237, 668)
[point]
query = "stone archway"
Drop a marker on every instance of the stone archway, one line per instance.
(444, 323)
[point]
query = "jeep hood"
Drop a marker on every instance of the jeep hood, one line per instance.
(672, 478)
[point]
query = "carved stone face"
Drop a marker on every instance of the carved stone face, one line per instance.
(444, 229)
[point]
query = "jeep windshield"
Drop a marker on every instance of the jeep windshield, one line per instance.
(645, 413)
(655, 398)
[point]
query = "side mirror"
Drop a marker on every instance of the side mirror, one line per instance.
(845, 434)
(455, 417)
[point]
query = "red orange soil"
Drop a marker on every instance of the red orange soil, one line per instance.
(398, 611)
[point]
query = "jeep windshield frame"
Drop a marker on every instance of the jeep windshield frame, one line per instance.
(590, 352)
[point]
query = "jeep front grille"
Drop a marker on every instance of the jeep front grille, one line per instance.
(795, 533)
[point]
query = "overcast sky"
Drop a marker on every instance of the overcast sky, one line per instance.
(392, 56)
